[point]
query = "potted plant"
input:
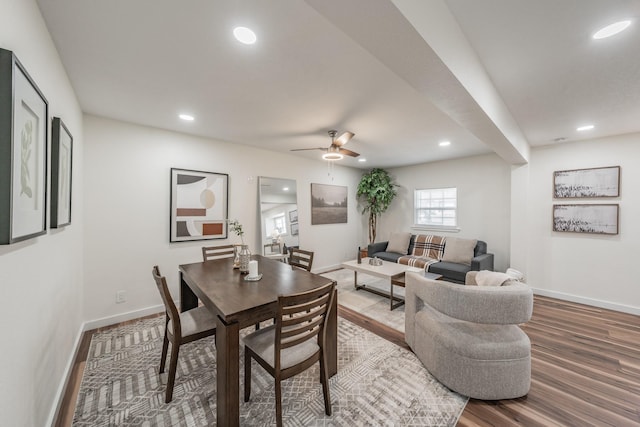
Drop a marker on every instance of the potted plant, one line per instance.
(375, 191)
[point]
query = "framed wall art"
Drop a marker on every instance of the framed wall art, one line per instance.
(583, 183)
(199, 205)
(293, 216)
(586, 218)
(294, 229)
(328, 204)
(23, 153)
(61, 162)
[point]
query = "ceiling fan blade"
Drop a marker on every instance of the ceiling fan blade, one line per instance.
(344, 138)
(348, 152)
(306, 149)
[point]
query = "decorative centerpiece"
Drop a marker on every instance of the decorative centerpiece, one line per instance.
(242, 255)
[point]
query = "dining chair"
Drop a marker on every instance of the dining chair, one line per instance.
(300, 258)
(180, 328)
(293, 344)
(217, 252)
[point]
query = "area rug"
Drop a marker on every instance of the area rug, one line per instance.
(369, 304)
(378, 383)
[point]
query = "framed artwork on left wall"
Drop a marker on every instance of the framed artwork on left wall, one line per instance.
(199, 205)
(61, 162)
(23, 153)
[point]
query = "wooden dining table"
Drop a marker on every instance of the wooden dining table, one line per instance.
(239, 303)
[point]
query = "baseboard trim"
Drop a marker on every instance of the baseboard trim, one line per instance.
(588, 301)
(123, 317)
(56, 407)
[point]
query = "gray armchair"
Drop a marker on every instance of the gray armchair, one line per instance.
(467, 336)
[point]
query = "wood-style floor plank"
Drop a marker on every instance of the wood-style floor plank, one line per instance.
(585, 369)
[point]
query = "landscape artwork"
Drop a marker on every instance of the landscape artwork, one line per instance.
(328, 204)
(595, 182)
(599, 219)
(199, 206)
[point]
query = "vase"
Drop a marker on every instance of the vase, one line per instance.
(236, 256)
(245, 257)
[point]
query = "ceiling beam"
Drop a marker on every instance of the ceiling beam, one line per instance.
(441, 64)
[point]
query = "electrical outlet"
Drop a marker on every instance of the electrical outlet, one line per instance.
(120, 297)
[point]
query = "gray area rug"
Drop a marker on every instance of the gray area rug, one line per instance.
(378, 383)
(367, 303)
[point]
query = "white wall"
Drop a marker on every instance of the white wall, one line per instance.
(41, 278)
(127, 209)
(483, 184)
(594, 269)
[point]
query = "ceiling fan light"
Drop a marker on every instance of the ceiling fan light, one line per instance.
(332, 156)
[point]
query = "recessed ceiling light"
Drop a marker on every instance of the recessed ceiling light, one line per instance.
(187, 117)
(612, 29)
(244, 35)
(362, 160)
(444, 143)
(585, 127)
(285, 188)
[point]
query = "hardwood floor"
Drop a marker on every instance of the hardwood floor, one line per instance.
(585, 370)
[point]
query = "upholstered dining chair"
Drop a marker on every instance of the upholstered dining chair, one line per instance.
(180, 328)
(217, 252)
(300, 258)
(293, 344)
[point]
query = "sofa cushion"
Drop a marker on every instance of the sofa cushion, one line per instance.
(388, 256)
(450, 270)
(429, 246)
(459, 250)
(399, 242)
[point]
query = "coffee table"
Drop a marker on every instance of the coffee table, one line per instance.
(392, 271)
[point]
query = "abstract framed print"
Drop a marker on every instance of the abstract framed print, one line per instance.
(23, 153)
(199, 205)
(584, 183)
(598, 219)
(61, 162)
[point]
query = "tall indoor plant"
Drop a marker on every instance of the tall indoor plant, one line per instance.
(375, 191)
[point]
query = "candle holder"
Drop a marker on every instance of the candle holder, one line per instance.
(245, 257)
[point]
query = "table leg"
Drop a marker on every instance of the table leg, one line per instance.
(228, 373)
(188, 299)
(390, 294)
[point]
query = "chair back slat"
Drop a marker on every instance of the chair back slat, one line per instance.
(300, 258)
(217, 252)
(169, 305)
(302, 317)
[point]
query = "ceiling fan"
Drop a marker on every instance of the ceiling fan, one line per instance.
(335, 150)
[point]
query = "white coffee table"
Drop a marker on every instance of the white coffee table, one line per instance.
(388, 270)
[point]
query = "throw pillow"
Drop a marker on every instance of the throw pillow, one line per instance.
(459, 250)
(399, 243)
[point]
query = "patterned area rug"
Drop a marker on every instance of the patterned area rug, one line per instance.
(367, 303)
(378, 383)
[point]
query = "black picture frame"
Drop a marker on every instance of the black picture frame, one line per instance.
(24, 124)
(199, 205)
(61, 174)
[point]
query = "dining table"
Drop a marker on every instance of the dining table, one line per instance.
(238, 303)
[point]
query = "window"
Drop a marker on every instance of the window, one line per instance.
(435, 207)
(279, 224)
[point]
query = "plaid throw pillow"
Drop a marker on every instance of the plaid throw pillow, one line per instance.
(428, 246)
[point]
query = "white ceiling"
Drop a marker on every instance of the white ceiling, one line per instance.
(403, 75)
